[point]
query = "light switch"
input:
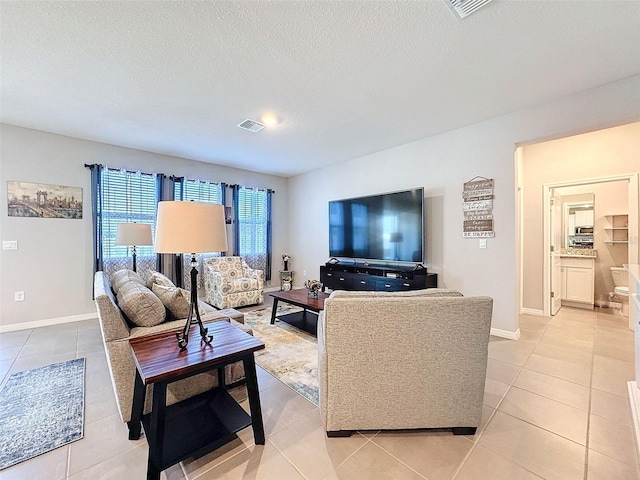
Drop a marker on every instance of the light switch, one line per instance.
(9, 244)
(483, 243)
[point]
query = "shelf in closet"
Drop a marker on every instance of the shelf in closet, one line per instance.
(618, 230)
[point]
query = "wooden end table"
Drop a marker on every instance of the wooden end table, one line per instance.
(299, 298)
(202, 423)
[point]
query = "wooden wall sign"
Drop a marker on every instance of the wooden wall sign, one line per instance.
(477, 195)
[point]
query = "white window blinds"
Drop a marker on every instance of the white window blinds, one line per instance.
(126, 197)
(252, 225)
(198, 191)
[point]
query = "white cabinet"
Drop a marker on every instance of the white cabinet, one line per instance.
(584, 218)
(617, 229)
(577, 281)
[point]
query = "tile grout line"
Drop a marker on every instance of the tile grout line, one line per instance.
(370, 440)
(586, 440)
(13, 361)
(477, 440)
(476, 443)
(84, 403)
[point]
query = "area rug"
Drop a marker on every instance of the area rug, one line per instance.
(41, 409)
(291, 355)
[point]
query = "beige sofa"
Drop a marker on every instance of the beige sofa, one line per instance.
(403, 360)
(116, 332)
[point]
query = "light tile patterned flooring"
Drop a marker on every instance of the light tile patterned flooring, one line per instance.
(555, 407)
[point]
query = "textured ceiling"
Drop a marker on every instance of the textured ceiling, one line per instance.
(347, 78)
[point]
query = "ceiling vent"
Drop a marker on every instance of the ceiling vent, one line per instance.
(464, 8)
(251, 125)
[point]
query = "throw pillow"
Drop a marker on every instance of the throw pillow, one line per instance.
(177, 300)
(159, 279)
(123, 276)
(140, 305)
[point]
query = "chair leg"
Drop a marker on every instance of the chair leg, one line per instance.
(464, 430)
(339, 433)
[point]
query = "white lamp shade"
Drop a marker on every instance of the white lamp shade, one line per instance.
(190, 227)
(134, 234)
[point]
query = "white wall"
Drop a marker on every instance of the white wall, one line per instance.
(441, 164)
(53, 265)
(607, 152)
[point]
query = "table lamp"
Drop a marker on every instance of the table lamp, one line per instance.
(191, 227)
(132, 234)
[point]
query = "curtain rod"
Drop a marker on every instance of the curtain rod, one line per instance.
(235, 185)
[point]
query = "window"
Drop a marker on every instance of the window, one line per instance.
(252, 228)
(126, 197)
(198, 191)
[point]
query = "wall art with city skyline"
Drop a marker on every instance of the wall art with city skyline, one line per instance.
(40, 200)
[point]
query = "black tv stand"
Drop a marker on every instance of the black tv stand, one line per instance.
(367, 276)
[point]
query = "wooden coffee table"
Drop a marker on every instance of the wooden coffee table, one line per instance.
(201, 423)
(299, 298)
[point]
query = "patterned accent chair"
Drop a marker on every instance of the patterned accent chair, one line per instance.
(229, 282)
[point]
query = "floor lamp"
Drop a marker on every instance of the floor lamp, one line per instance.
(132, 235)
(396, 238)
(191, 227)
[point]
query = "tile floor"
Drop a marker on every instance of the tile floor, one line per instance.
(556, 407)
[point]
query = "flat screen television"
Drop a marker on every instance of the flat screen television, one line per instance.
(387, 226)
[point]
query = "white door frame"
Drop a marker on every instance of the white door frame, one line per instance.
(633, 199)
(556, 234)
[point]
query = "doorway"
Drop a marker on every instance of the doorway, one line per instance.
(566, 160)
(550, 272)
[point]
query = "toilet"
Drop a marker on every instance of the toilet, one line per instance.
(621, 291)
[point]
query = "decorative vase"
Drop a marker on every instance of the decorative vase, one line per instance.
(312, 293)
(286, 265)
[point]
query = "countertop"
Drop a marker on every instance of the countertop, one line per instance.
(578, 253)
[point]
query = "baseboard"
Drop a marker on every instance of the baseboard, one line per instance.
(47, 322)
(497, 332)
(271, 289)
(586, 306)
(634, 401)
(532, 311)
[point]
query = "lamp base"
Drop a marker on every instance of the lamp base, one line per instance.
(194, 314)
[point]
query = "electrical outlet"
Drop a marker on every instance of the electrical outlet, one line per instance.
(304, 273)
(483, 243)
(19, 296)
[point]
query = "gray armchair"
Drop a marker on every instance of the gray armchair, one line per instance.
(403, 360)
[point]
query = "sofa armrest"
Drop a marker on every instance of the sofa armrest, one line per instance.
(176, 324)
(256, 274)
(112, 322)
(215, 276)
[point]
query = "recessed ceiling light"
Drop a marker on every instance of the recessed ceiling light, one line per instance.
(270, 119)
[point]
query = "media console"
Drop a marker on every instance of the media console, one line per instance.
(371, 277)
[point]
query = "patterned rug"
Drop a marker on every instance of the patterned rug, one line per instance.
(41, 409)
(291, 355)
